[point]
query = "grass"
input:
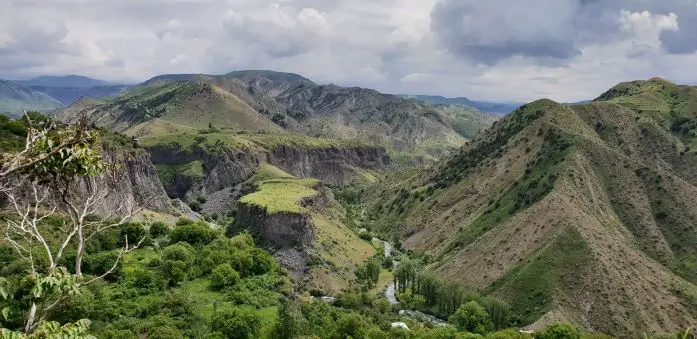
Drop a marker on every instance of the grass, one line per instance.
(281, 195)
(530, 288)
(169, 174)
(219, 141)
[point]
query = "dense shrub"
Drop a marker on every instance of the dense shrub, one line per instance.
(177, 261)
(195, 233)
(237, 323)
(471, 317)
(224, 276)
(158, 229)
(133, 233)
(559, 331)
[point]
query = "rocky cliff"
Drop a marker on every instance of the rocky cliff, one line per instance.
(335, 166)
(134, 182)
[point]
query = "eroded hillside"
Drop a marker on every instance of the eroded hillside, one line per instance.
(272, 101)
(578, 213)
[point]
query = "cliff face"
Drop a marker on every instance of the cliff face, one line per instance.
(280, 230)
(131, 181)
(228, 168)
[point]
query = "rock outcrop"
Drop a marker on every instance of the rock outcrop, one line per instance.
(131, 180)
(279, 230)
(334, 166)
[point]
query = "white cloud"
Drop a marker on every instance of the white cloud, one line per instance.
(576, 50)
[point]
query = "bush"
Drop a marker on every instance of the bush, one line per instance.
(559, 331)
(141, 277)
(99, 263)
(177, 261)
(224, 276)
(133, 232)
(237, 323)
(471, 317)
(158, 229)
(195, 233)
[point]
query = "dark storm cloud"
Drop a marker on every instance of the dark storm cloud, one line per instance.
(549, 31)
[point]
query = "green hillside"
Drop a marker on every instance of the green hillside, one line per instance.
(556, 207)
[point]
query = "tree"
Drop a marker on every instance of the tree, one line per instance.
(177, 261)
(471, 317)
(369, 273)
(289, 321)
(195, 233)
(224, 276)
(559, 331)
(59, 171)
(237, 323)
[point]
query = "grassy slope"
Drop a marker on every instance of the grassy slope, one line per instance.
(519, 214)
(179, 106)
(245, 141)
(337, 249)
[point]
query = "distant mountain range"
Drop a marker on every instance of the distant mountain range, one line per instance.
(15, 97)
(72, 81)
(482, 106)
(276, 102)
(46, 93)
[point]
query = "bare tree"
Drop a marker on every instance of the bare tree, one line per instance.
(60, 172)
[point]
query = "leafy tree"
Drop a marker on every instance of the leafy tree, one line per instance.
(237, 323)
(132, 230)
(158, 229)
(351, 325)
(559, 331)
(195, 233)
(177, 262)
(368, 273)
(224, 276)
(289, 321)
(471, 317)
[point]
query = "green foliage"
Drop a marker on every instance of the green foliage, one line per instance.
(158, 229)
(52, 329)
(471, 317)
(349, 195)
(369, 272)
(192, 232)
(64, 151)
(289, 321)
(134, 232)
(559, 331)
(237, 323)
(178, 260)
(538, 180)
(530, 287)
(224, 276)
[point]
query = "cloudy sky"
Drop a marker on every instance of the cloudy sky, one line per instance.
(496, 49)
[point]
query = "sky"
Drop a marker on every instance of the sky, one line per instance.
(504, 50)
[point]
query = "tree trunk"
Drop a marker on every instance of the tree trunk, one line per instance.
(31, 317)
(79, 254)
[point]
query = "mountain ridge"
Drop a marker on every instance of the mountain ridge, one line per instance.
(294, 103)
(558, 206)
(14, 98)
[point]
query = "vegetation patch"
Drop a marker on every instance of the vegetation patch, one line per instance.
(470, 157)
(530, 287)
(538, 180)
(169, 174)
(281, 195)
